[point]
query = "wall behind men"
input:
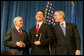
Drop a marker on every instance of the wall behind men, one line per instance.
(27, 10)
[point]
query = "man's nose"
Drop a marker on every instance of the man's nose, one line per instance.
(22, 22)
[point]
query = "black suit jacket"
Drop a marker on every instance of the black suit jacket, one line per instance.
(66, 45)
(11, 37)
(46, 39)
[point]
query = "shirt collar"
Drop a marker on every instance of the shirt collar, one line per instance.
(64, 24)
(40, 23)
(17, 28)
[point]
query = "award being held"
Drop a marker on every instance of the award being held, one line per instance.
(36, 37)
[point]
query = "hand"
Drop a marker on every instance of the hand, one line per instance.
(37, 43)
(77, 52)
(20, 44)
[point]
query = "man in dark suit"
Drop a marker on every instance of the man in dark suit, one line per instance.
(16, 38)
(67, 40)
(40, 45)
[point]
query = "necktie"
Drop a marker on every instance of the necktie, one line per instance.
(20, 33)
(37, 29)
(63, 28)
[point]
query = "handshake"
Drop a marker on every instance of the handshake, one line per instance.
(20, 44)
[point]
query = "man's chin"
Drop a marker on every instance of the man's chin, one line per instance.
(56, 20)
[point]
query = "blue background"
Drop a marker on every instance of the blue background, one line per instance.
(27, 10)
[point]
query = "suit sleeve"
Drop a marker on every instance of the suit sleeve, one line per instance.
(77, 38)
(50, 37)
(8, 39)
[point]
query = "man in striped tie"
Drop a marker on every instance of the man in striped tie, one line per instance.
(67, 37)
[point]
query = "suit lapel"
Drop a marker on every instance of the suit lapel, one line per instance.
(17, 33)
(23, 35)
(41, 28)
(34, 29)
(67, 29)
(60, 30)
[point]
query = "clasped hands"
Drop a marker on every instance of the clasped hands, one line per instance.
(20, 44)
(37, 43)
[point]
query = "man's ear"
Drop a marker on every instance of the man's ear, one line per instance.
(63, 17)
(15, 22)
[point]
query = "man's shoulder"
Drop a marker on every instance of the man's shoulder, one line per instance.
(71, 24)
(33, 27)
(47, 25)
(23, 30)
(10, 29)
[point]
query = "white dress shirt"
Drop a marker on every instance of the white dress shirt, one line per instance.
(18, 29)
(40, 23)
(64, 24)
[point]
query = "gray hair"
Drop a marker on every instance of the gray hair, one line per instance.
(61, 13)
(15, 19)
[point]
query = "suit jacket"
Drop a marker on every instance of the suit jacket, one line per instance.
(12, 36)
(46, 39)
(66, 45)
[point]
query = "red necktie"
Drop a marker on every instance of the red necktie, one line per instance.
(37, 29)
(20, 33)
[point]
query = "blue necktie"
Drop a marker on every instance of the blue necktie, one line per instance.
(63, 29)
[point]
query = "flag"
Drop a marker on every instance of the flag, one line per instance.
(73, 17)
(49, 17)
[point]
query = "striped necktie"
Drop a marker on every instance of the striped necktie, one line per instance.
(63, 29)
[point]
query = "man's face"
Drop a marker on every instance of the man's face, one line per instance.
(19, 22)
(39, 16)
(57, 16)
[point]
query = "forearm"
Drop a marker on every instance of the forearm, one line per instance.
(10, 44)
